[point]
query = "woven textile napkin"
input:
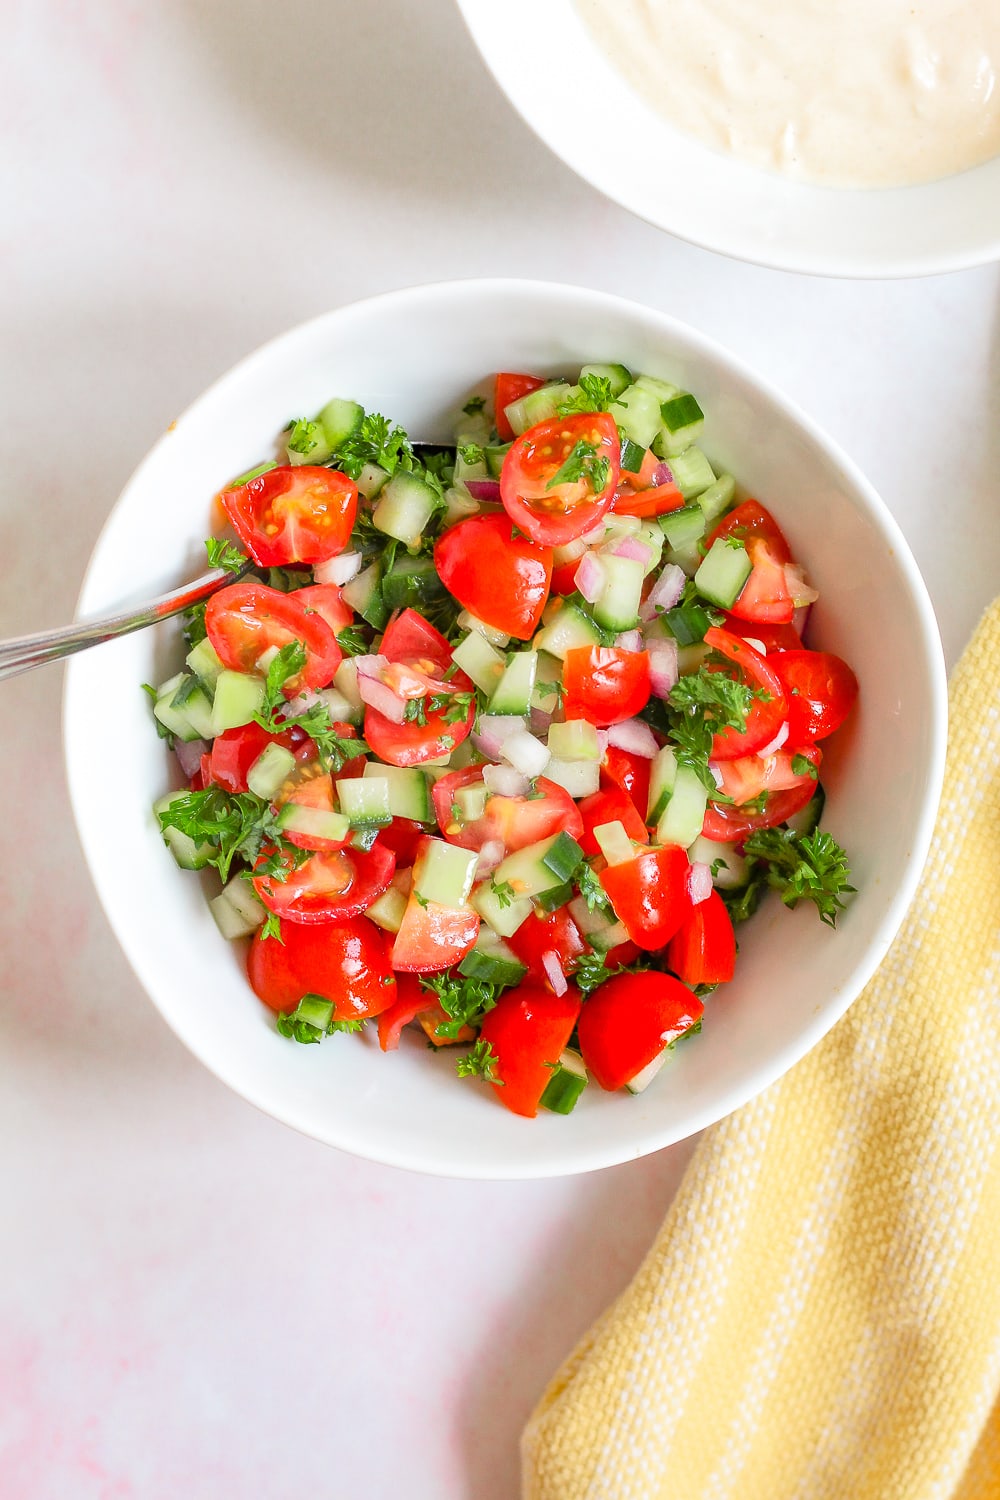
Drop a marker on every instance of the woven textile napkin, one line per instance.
(819, 1317)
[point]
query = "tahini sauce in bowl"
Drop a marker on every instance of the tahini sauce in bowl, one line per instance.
(842, 93)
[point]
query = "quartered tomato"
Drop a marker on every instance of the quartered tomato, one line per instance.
(728, 824)
(630, 772)
(235, 751)
(514, 822)
(744, 778)
(510, 387)
(346, 962)
(703, 949)
(501, 578)
(650, 894)
(771, 637)
(246, 619)
(315, 791)
(629, 1020)
(821, 691)
(605, 684)
(766, 714)
(765, 597)
(556, 933)
(402, 836)
(293, 514)
(413, 642)
(748, 520)
(327, 601)
(551, 509)
(327, 887)
(411, 1001)
(432, 936)
(610, 805)
(528, 1030)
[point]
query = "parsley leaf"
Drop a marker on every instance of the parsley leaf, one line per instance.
(481, 1061)
(304, 436)
(222, 554)
(474, 405)
(161, 729)
(582, 463)
(465, 1001)
(594, 395)
(701, 704)
(803, 766)
(591, 889)
(803, 867)
(471, 453)
(313, 1019)
(271, 928)
(504, 892)
(234, 824)
(352, 642)
(375, 442)
(334, 748)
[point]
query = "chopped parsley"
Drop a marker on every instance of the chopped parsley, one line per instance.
(474, 405)
(504, 892)
(237, 825)
(582, 463)
(313, 1019)
(480, 1062)
(271, 927)
(335, 748)
(803, 867)
(305, 436)
(464, 1001)
(594, 394)
(803, 766)
(700, 705)
(471, 453)
(591, 889)
(222, 554)
(352, 642)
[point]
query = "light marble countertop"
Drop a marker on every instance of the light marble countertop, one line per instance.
(193, 1299)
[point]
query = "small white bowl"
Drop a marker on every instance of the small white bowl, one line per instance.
(553, 73)
(412, 354)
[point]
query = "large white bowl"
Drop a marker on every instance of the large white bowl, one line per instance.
(554, 74)
(412, 354)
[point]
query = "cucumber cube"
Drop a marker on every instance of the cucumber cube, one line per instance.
(614, 843)
(576, 739)
(444, 873)
(504, 917)
(723, 572)
(684, 813)
(364, 800)
(270, 771)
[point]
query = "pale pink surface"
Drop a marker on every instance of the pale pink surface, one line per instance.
(194, 1300)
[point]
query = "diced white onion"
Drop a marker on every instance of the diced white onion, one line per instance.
(756, 644)
(602, 740)
(665, 592)
(370, 666)
(525, 753)
(339, 569)
(505, 781)
(554, 971)
(493, 729)
(776, 743)
(189, 753)
(699, 883)
(382, 699)
(802, 592)
(629, 640)
(635, 736)
(590, 577)
(490, 856)
(663, 667)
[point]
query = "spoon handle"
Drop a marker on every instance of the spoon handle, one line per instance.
(26, 651)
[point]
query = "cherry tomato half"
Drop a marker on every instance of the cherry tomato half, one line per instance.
(766, 714)
(528, 1029)
(604, 684)
(413, 642)
(327, 887)
(551, 510)
(703, 949)
(765, 597)
(556, 933)
(432, 936)
(327, 601)
(629, 1020)
(728, 824)
(514, 821)
(246, 619)
(821, 691)
(293, 514)
(630, 772)
(650, 894)
(510, 387)
(346, 962)
(502, 579)
(411, 1001)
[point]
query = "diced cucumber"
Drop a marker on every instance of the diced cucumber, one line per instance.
(364, 594)
(470, 462)
(663, 390)
(617, 376)
(270, 771)
(364, 800)
(539, 867)
(512, 694)
(591, 922)
(567, 628)
(550, 901)
(729, 868)
(581, 778)
(568, 1081)
(690, 658)
(687, 558)
(645, 1075)
(371, 480)
(468, 804)
(548, 683)
(681, 820)
(693, 474)
(652, 537)
(313, 822)
(241, 479)
(467, 621)
(458, 506)
(614, 843)
(617, 605)
(339, 706)
(345, 680)
(307, 443)
(444, 873)
(632, 456)
(479, 660)
(495, 457)
(409, 790)
(236, 910)
(717, 499)
(576, 739)
(537, 406)
(662, 775)
(503, 916)
(685, 527)
(187, 854)
(637, 412)
(176, 717)
(412, 583)
(204, 661)
(404, 507)
(683, 420)
(340, 420)
(723, 572)
(386, 911)
(492, 960)
(238, 696)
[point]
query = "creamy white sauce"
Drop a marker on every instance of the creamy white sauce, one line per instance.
(848, 93)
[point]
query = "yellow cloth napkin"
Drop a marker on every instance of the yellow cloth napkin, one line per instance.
(819, 1317)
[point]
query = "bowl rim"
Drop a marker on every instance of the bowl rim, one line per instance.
(746, 242)
(664, 325)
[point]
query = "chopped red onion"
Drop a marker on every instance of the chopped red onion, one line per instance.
(699, 882)
(590, 577)
(663, 668)
(634, 736)
(776, 743)
(189, 753)
(486, 490)
(629, 640)
(340, 569)
(382, 698)
(554, 971)
(505, 781)
(492, 730)
(525, 753)
(802, 592)
(370, 666)
(663, 474)
(490, 856)
(539, 721)
(632, 548)
(665, 592)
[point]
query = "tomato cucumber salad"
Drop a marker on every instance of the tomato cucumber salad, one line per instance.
(504, 738)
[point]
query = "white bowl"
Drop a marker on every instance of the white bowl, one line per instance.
(550, 68)
(412, 354)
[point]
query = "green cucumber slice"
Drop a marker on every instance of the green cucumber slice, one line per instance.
(724, 571)
(681, 820)
(238, 696)
(270, 771)
(512, 694)
(407, 788)
(444, 873)
(364, 800)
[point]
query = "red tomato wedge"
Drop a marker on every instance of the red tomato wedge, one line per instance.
(510, 387)
(745, 778)
(821, 691)
(650, 894)
(767, 714)
(605, 684)
(556, 933)
(501, 578)
(751, 520)
(411, 1001)
(772, 637)
(610, 805)
(346, 962)
(328, 887)
(630, 772)
(765, 597)
(413, 642)
(316, 791)
(514, 821)
(433, 936)
(326, 600)
(293, 514)
(528, 1029)
(246, 619)
(727, 824)
(552, 510)
(629, 1020)
(703, 949)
